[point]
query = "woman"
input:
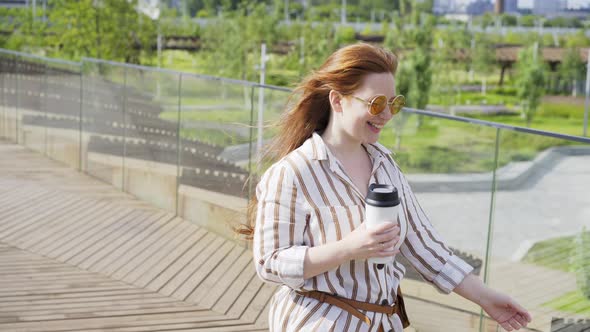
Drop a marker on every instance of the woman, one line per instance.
(308, 232)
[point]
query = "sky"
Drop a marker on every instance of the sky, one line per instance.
(529, 3)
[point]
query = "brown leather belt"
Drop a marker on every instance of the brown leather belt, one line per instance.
(353, 306)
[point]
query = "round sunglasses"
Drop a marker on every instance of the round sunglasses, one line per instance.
(377, 104)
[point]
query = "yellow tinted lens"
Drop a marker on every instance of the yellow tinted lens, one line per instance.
(378, 105)
(397, 104)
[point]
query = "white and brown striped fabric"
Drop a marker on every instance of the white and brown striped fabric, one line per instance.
(305, 200)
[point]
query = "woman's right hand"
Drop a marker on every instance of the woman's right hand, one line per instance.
(363, 243)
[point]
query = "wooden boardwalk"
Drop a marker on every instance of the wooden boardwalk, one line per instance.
(79, 255)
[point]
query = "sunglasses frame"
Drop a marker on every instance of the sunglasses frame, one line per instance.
(390, 103)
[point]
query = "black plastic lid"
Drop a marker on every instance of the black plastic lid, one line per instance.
(382, 195)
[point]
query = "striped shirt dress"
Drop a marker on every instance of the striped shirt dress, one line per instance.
(305, 200)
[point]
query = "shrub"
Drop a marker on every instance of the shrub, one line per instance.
(581, 262)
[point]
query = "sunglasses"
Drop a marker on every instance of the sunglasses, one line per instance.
(377, 104)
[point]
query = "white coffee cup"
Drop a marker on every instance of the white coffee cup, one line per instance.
(382, 205)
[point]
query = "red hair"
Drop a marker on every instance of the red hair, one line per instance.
(343, 71)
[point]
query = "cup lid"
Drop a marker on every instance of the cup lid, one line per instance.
(382, 195)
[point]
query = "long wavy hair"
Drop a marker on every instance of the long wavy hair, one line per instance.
(344, 72)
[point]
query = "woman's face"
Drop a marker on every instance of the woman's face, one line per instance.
(354, 118)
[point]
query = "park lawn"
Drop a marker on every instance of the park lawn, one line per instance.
(474, 98)
(437, 146)
(573, 302)
(569, 126)
(553, 253)
(445, 146)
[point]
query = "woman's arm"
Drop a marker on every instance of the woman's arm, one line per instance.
(509, 314)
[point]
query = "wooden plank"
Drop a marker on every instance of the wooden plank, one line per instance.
(255, 308)
(8, 193)
(228, 299)
(201, 240)
(111, 250)
(26, 222)
(123, 253)
(239, 306)
(38, 241)
(172, 286)
(102, 307)
(10, 197)
(168, 260)
(102, 245)
(154, 255)
(96, 238)
(222, 286)
(207, 268)
(31, 230)
(131, 296)
(136, 255)
(67, 242)
(36, 204)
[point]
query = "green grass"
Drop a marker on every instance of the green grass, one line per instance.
(573, 302)
(553, 254)
(473, 98)
(437, 146)
(542, 121)
(556, 254)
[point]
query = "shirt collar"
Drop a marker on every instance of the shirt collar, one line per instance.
(320, 150)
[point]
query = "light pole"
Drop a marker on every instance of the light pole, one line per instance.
(263, 59)
(343, 13)
(97, 4)
(287, 11)
(587, 94)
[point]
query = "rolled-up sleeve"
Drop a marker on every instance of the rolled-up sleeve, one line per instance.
(279, 248)
(425, 249)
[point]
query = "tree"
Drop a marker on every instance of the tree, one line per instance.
(421, 59)
(405, 85)
(28, 31)
(483, 57)
(571, 69)
(106, 29)
(530, 81)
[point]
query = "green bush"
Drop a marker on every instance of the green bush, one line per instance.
(505, 91)
(581, 262)
(564, 111)
(432, 159)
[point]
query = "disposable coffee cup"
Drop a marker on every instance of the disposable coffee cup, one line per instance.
(382, 205)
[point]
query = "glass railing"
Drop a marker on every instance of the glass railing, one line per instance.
(509, 200)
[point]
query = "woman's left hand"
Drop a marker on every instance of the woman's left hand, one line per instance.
(504, 310)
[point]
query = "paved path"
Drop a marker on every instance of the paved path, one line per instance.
(558, 204)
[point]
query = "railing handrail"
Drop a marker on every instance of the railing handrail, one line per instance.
(496, 125)
(187, 74)
(39, 57)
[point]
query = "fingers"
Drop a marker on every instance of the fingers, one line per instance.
(522, 312)
(387, 253)
(387, 235)
(515, 325)
(385, 227)
(521, 319)
(391, 243)
(506, 326)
